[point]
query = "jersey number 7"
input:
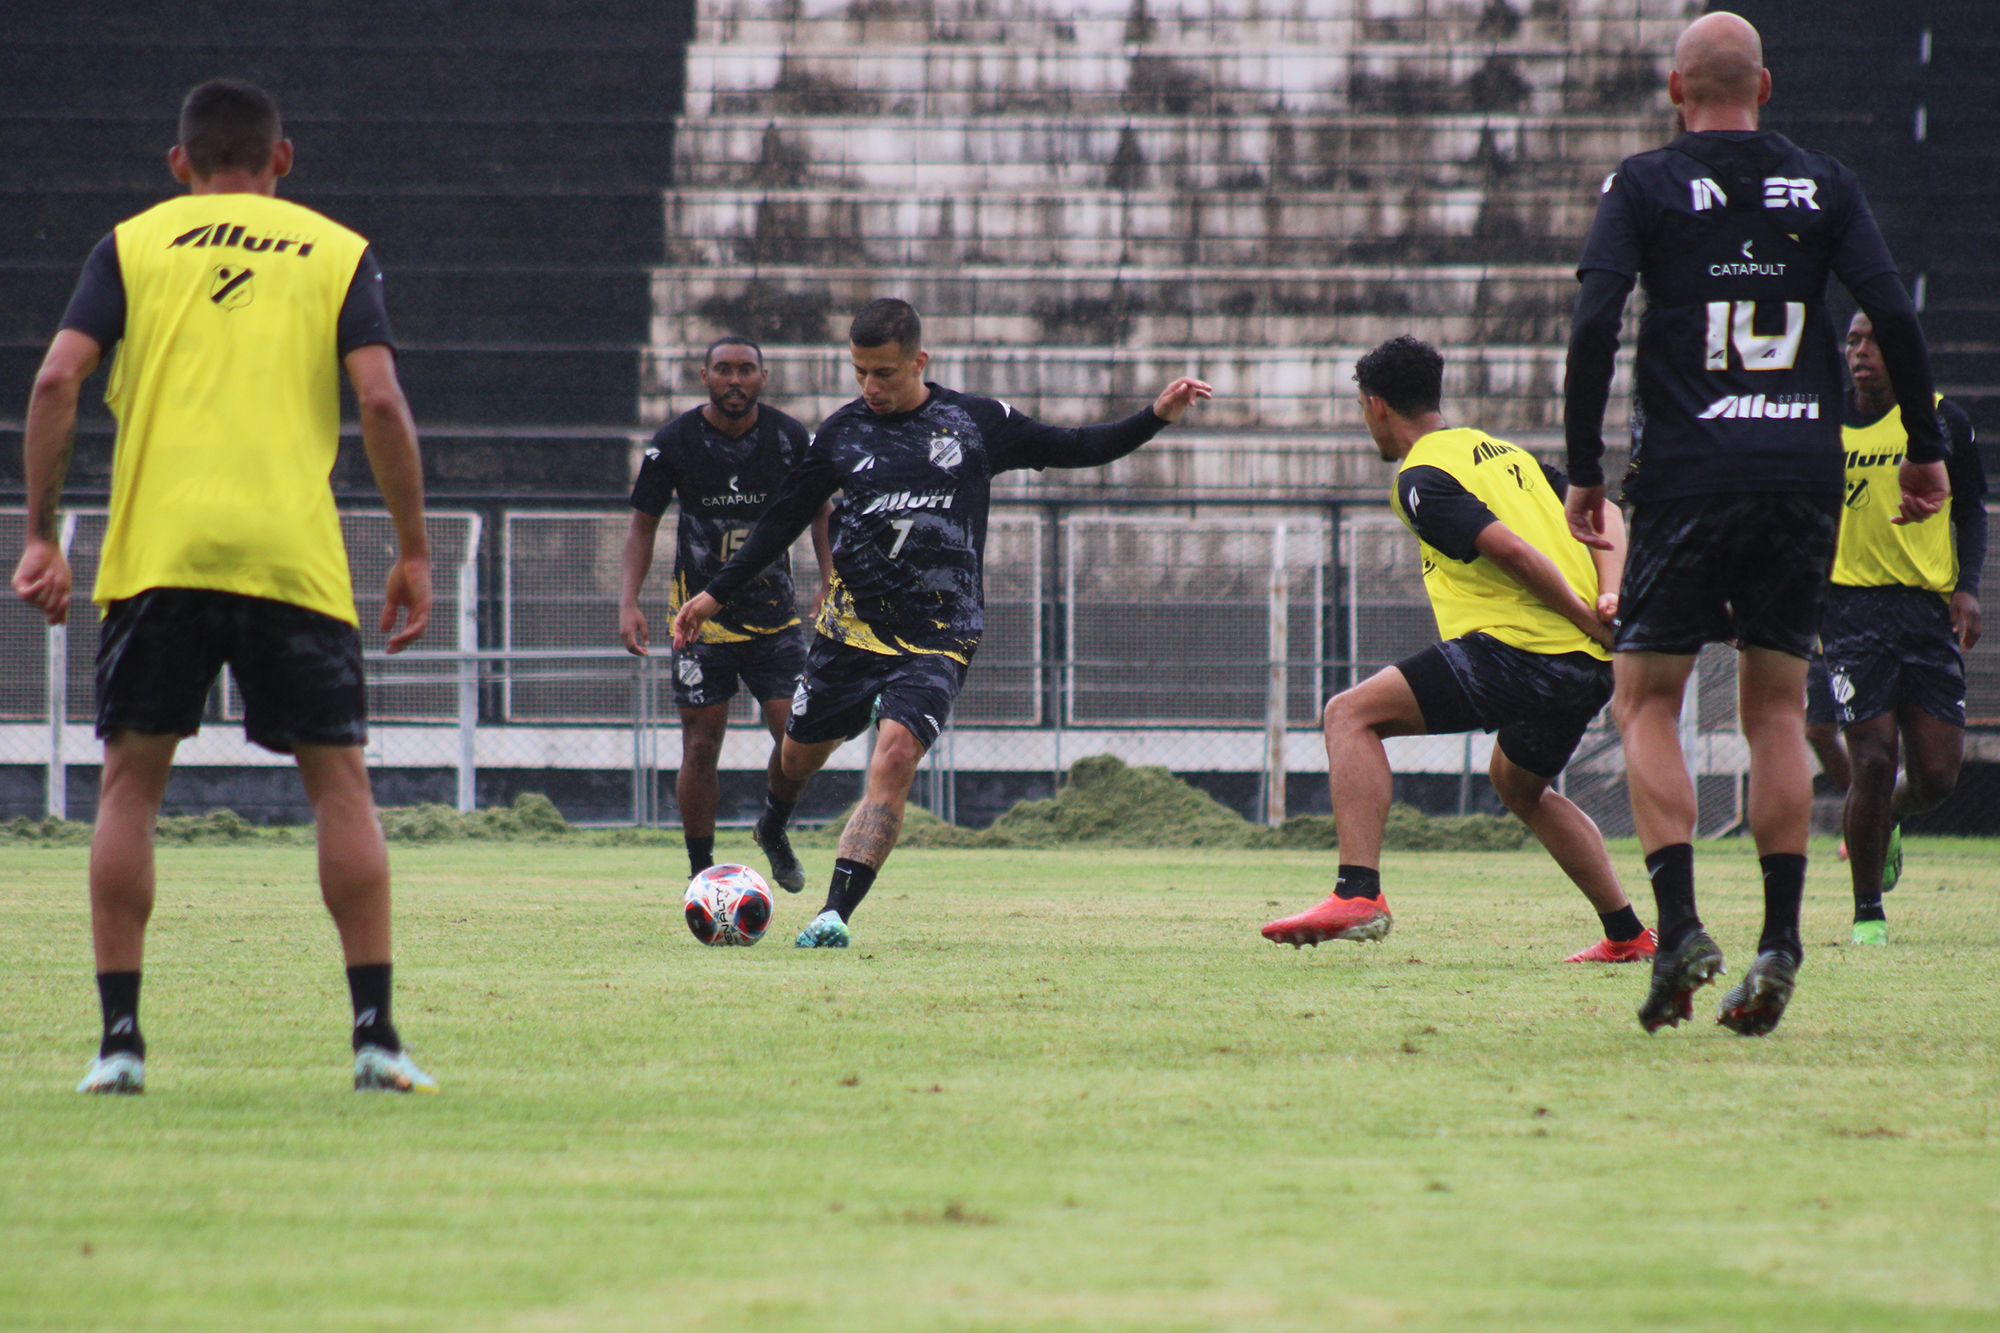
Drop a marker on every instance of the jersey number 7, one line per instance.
(1731, 322)
(902, 527)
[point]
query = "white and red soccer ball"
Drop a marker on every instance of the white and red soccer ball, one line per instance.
(728, 904)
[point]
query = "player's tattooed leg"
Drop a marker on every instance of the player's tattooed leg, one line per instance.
(871, 833)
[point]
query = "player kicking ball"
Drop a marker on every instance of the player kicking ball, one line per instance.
(724, 460)
(915, 464)
(1903, 610)
(234, 313)
(1525, 619)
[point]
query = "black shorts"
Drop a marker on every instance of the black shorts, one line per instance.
(299, 671)
(1539, 703)
(706, 673)
(1891, 646)
(845, 689)
(1744, 569)
(1820, 708)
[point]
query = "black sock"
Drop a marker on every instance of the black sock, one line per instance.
(1784, 890)
(776, 814)
(368, 986)
(1672, 873)
(701, 853)
(1621, 925)
(1358, 882)
(851, 882)
(118, 993)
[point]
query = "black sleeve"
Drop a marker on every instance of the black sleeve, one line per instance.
(363, 317)
(1907, 361)
(1616, 240)
(1557, 481)
(1968, 497)
(654, 489)
(1024, 442)
(1859, 253)
(791, 511)
(1448, 517)
(97, 307)
(1593, 358)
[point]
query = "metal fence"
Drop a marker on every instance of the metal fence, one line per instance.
(1200, 639)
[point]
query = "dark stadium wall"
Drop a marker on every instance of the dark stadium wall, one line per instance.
(506, 159)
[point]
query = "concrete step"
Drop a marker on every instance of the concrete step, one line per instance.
(1352, 306)
(938, 79)
(1078, 227)
(1149, 152)
(1504, 388)
(1113, 23)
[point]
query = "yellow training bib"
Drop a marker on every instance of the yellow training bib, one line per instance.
(227, 393)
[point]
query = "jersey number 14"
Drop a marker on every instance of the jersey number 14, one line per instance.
(1730, 323)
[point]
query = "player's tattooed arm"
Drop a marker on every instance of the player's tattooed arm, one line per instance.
(822, 536)
(42, 577)
(871, 832)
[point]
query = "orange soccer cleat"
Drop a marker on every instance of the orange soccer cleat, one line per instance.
(1636, 950)
(1337, 918)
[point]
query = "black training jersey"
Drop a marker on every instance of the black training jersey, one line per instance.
(1739, 375)
(724, 486)
(909, 536)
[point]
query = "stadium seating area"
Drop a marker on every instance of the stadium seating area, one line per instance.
(1087, 199)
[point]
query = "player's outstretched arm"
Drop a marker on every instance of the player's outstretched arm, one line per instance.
(1025, 442)
(801, 496)
(694, 613)
(1539, 575)
(633, 564)
(42, 579)
(389, 434)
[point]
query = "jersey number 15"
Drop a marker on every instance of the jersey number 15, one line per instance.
(1730, 323)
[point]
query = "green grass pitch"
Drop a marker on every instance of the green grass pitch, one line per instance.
(1046, 1090)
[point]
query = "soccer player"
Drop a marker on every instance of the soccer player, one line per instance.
(915, 462)
(1735, 480)
(1823, 732)
(725, 460)
(1904, 607)
(1525, 613)
(234, 313)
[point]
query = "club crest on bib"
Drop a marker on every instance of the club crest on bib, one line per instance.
(947, 451)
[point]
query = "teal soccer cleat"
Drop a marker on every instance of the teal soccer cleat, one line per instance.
(827, 931)
(120, 1071)
(1892, 864)
(379, 1070)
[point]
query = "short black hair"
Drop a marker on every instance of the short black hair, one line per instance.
(229, 124)
(1406, 373)
(732, 340)
(887, 320)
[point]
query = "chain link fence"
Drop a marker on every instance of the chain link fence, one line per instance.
(1201, 639)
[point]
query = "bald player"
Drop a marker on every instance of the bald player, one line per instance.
(1736, 477)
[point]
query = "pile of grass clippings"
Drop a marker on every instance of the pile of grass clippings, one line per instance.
(1106, 803)
(532, 816)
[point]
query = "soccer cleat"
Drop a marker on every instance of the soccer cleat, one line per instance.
(785, 867)
(1892, 864)
(380, 1070)
(1870, 932)
(827, 931)
(1635, 950)
(1337, 918)
(1754, 1005)
(120, 1071)
(1677, 974)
